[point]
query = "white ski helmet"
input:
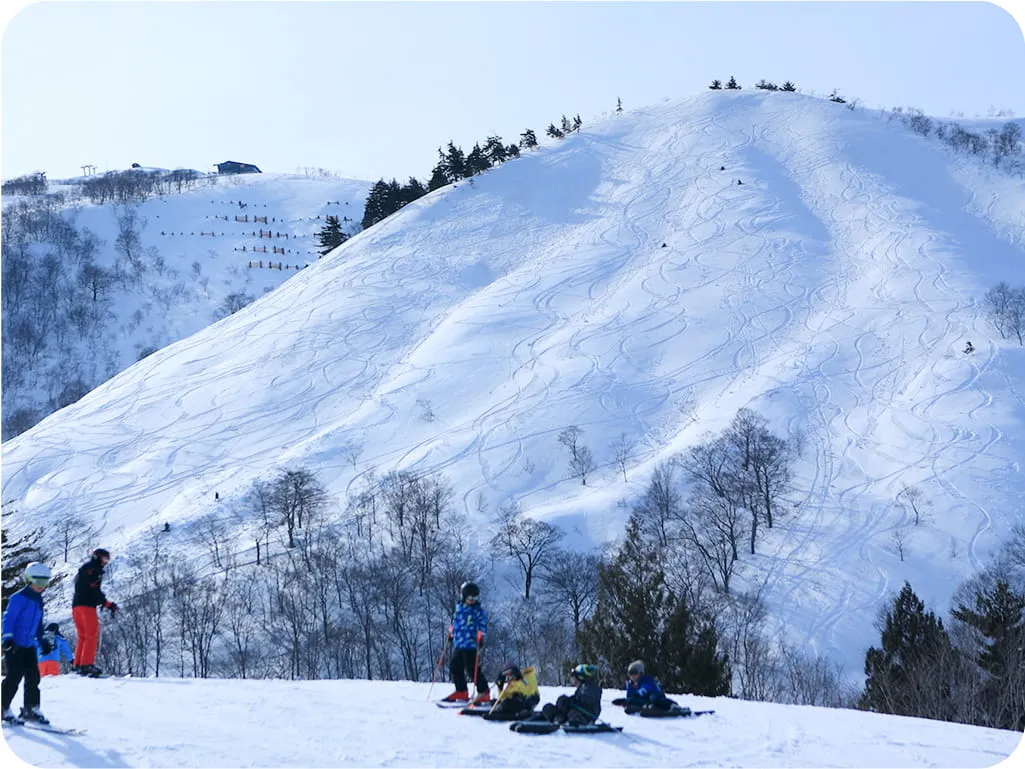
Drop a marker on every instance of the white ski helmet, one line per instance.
(37, 573)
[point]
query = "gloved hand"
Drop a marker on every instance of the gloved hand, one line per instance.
(45, 645)
(7, 645)
(111, 607)
(450, 633)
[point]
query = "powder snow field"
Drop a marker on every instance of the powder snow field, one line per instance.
(620, 281)
(217, 723)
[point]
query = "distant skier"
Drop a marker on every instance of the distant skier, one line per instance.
(53, 648)
(518, 694)
(583, 706)
(21, 628)
(969, 348)
(88, 596)
(469, 625)
(643, 692)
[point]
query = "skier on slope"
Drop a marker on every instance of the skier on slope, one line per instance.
(583, 706)
(20, 629)
(469, 626)
(518, 696)
(88, 596)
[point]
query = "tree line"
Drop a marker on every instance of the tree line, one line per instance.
(971, 670)
(453, 165)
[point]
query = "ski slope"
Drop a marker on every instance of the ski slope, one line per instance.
(196, 722)
(621, 282)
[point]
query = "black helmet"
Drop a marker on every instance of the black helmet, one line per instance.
(469, 590)
(511, 672)
(584, 672)
(101, 553)
(53, 627)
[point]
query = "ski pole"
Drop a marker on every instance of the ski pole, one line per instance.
(437, 667)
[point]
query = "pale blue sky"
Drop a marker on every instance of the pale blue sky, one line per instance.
(372, 89)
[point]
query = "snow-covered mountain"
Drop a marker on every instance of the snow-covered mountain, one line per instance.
(196, 722)
(650, 275)
(179, 256)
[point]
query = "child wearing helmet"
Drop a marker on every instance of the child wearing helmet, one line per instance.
(643, 692)
(59, 651)
(469, 626)
(584, 706)
(518, 696)
(20, 629)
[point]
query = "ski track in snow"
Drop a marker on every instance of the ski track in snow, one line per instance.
(816, 283)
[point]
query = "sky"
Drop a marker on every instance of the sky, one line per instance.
(618, 281)
(171, 722)
(370, 90)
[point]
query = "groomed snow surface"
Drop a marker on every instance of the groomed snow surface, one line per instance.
(218, 723)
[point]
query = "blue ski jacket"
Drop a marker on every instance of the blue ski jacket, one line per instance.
(647, 689)
(467, 621)
(23, 620)
(61, 650)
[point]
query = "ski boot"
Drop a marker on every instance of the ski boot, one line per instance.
(8, 717)
(457, 696)
(35, 715)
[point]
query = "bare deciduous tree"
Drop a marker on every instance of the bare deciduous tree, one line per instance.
(571, 578)
(528, 541)
(622, 452)
(581, 460)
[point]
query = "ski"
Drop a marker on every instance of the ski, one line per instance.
(445, 704)
(475, 710)
(676, 713)
(45, 727)
(53, 729)
(545, 727)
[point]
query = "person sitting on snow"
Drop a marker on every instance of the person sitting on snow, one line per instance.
(644, 691)
(519, 694)
(583, 706)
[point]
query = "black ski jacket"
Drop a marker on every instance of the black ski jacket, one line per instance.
(87, 584)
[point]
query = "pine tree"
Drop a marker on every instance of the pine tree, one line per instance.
(554, 132)
(788, 86)
(330, 235)
(528, 139)
(439, 175)
(412, 190)
(455, 163)
(512, 151)
(476, 162)
(567, 125)
(716, 85)
(998, 616)
(638, 617)
(577, 123)
(495, 151)
(732, 84)
(376, 207)
(908, 676)
(619, 106)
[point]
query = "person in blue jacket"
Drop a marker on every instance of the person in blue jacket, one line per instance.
(20, 629)
(469, 626)
(50, 662)
(644, 691)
